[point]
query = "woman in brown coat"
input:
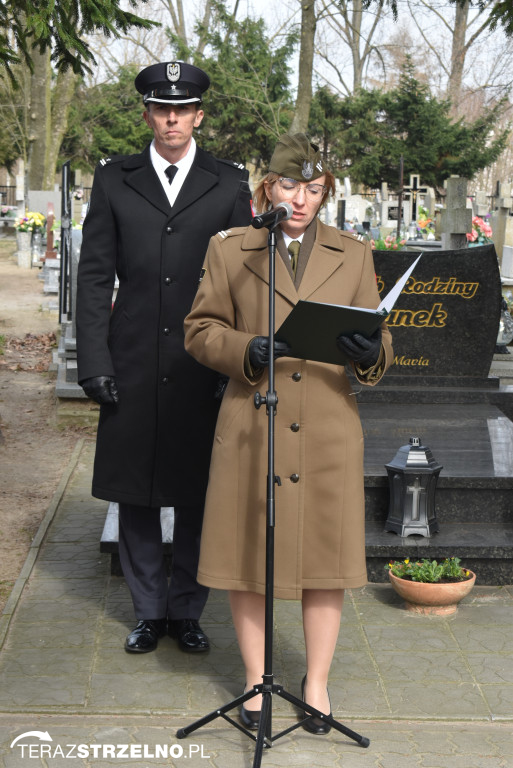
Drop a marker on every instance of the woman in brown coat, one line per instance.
(319, 533)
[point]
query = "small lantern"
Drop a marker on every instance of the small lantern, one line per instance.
(412, 478)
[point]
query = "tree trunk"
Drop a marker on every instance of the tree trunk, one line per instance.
(38, 121)
(458, 53)
(61, 100)
(306, 53)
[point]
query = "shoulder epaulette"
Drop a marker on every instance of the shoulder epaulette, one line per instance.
(232, 164)
(353, 236)
(225, 233)
(114, 159)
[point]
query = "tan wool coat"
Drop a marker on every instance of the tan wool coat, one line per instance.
(319, 533)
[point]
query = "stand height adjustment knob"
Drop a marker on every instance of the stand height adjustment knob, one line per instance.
(259, 400)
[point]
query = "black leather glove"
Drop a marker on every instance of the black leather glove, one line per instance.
(101, 389)
(259, 351)
(360, 349)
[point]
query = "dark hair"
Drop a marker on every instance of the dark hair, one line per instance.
(262, 203)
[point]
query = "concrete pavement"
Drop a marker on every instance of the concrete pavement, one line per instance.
(429, 692)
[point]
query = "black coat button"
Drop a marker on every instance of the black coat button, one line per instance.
(168, 280)
(296, 376)
(166, 331)
(165, 380)
(294, 478)
(169, 230)
(295, 427)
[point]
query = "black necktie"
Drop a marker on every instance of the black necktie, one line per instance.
(171, 172)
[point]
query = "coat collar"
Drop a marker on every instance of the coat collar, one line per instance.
(141, 176)
(327, 256)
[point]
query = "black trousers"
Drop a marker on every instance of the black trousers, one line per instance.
(142, 560)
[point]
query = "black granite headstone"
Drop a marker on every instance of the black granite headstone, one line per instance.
(444, 328)
(445, 322)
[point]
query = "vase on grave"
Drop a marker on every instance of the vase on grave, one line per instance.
(37, 246)
(24, 253)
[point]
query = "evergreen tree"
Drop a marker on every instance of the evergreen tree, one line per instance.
(60, 26)
(248, 104)
(375, 128)
(246, 107)
(106, 120)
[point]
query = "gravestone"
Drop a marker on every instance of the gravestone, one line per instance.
(480, 204)
(499, 218)
(444, 330)
(44, 200)
(356, 207)
(67, 376)
(449, 301)
(390, 213)
(456, 218)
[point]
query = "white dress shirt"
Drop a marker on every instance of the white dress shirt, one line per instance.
(184, 166)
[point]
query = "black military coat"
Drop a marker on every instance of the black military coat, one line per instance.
(153, 448)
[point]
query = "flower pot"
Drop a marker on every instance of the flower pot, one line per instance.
(440, 598)
(23, 254)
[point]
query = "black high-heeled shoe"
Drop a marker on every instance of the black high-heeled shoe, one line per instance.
(314, 724)
(250, 718)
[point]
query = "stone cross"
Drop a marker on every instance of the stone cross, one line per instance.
(456, 217)
(502, 204)
(414, 190)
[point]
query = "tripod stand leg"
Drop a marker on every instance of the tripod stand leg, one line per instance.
(263, 738)
(221, 712)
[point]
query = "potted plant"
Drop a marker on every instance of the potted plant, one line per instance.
(388, 243)
(430, 587)
(481, 231)
(425, 224)
(26, 226)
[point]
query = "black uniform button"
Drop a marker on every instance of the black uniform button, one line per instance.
(296, 376)
(168, 280)
(165, 380)
(294, 478)
(295, 427)
(166, 331)
(169, 230)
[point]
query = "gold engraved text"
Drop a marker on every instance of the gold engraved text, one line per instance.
(421, 318)
(450, 287)
(403, 360)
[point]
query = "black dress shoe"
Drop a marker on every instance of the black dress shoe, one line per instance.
(250, 718)
(189, 634)
(145, 637)
(314, 724)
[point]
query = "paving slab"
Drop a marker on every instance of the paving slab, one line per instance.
(430, 692)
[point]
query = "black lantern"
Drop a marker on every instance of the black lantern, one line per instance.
(412, 478)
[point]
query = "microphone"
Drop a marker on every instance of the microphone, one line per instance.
(282, 212)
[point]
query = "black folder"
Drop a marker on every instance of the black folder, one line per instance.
(311, 329)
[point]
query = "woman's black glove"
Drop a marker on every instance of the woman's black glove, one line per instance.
(101, 389)
(361, 350)
(259, 351)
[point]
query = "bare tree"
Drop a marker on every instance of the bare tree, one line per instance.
(306, 55)
(467, 28)
(356, 28)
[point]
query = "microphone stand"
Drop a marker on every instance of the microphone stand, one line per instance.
(264, 737)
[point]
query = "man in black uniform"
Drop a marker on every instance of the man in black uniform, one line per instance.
(149, 222)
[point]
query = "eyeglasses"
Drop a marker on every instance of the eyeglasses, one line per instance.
(290, 188)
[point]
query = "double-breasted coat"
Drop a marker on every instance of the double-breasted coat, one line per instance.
(153, 448)
(319, 533)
